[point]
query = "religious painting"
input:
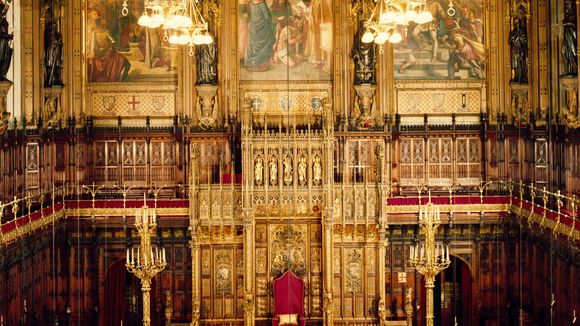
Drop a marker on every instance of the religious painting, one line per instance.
(285, 39)
(120, 50)
(451, 46)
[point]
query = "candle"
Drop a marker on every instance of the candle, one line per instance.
(138, 257)
(447, 252)
(412, 254)
(151, 252)
(127, 255)
(164, 254)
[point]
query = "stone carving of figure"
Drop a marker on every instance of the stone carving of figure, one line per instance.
(258, 170)
(569, 43)
(302, 170)
(52, 52)
(287, 163)
(363, 55)
(518, 41)
(206, 56)
(316, 170)
(5, 42)
(273, 166)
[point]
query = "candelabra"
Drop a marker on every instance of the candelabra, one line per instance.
(429, 258)
(145, 260)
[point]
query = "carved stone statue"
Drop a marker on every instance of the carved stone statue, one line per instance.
(570, 41)
(52, 52)
(316, 170)
(259, 170)
(363, 55)
(518, 41)
(302, 170)
(206, 56)
(273, 167)
(5, 42)
(287, 163)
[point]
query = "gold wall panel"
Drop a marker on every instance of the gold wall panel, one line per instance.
(415, 98)
(288, 248)
(132, 101)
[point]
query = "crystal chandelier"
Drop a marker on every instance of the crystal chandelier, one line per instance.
(388, 15)
(181, 20)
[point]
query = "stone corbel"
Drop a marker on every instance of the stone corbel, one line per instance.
(364, 119)
(207, 108)
(4, 114)
(519, 105)
(51, 111)
(570, 115)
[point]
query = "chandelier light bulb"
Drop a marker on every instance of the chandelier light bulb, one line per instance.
(144, 20)
(367, 37)
(174, 39)
(381, 38)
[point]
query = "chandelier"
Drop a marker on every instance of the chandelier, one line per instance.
(429, 258)
(388, 15)
(181, 20)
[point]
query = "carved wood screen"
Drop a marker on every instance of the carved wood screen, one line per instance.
(222, 288)
(106, 166)
(32, 166)
(355, 281)
(443, 162)
(573, 169)
(412, 161)
(541, 167)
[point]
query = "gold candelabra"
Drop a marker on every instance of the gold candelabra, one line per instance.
(429, 258)
(146, 260)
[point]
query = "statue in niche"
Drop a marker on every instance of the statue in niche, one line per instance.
(6, 49)
(518, 41)
(302, 170)
(519, 104)
(273, 167)
(206, 56)
(570, 41)
(259, 170)
(52, 52)
(363, 55)
(287, 164)
(316, 170)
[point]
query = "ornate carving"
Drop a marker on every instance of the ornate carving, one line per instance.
(519, 106)
(273, 170)
(6, 49)
(366, 96)
(207, 107)
(259, 170)
(570, 113)
(353, 270)
(288, 248)
(363, 55)
(223, 272)
(287, 170)
(302, 178)
(261, 258)
(316, 170)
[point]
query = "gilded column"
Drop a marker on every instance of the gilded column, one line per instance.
(248, 216)
(194, 243)
(249, 301)
(327, 218)
(383, 191)
(328, 303)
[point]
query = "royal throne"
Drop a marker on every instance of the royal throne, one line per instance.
(288, 300)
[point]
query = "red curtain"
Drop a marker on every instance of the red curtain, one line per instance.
(115, 294)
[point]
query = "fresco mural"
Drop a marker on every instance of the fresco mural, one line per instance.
(449, 47)
(120, 50)
(285, 39)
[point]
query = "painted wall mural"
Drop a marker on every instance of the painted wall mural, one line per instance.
(285, 39)
(119, 50)
(449, 47)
